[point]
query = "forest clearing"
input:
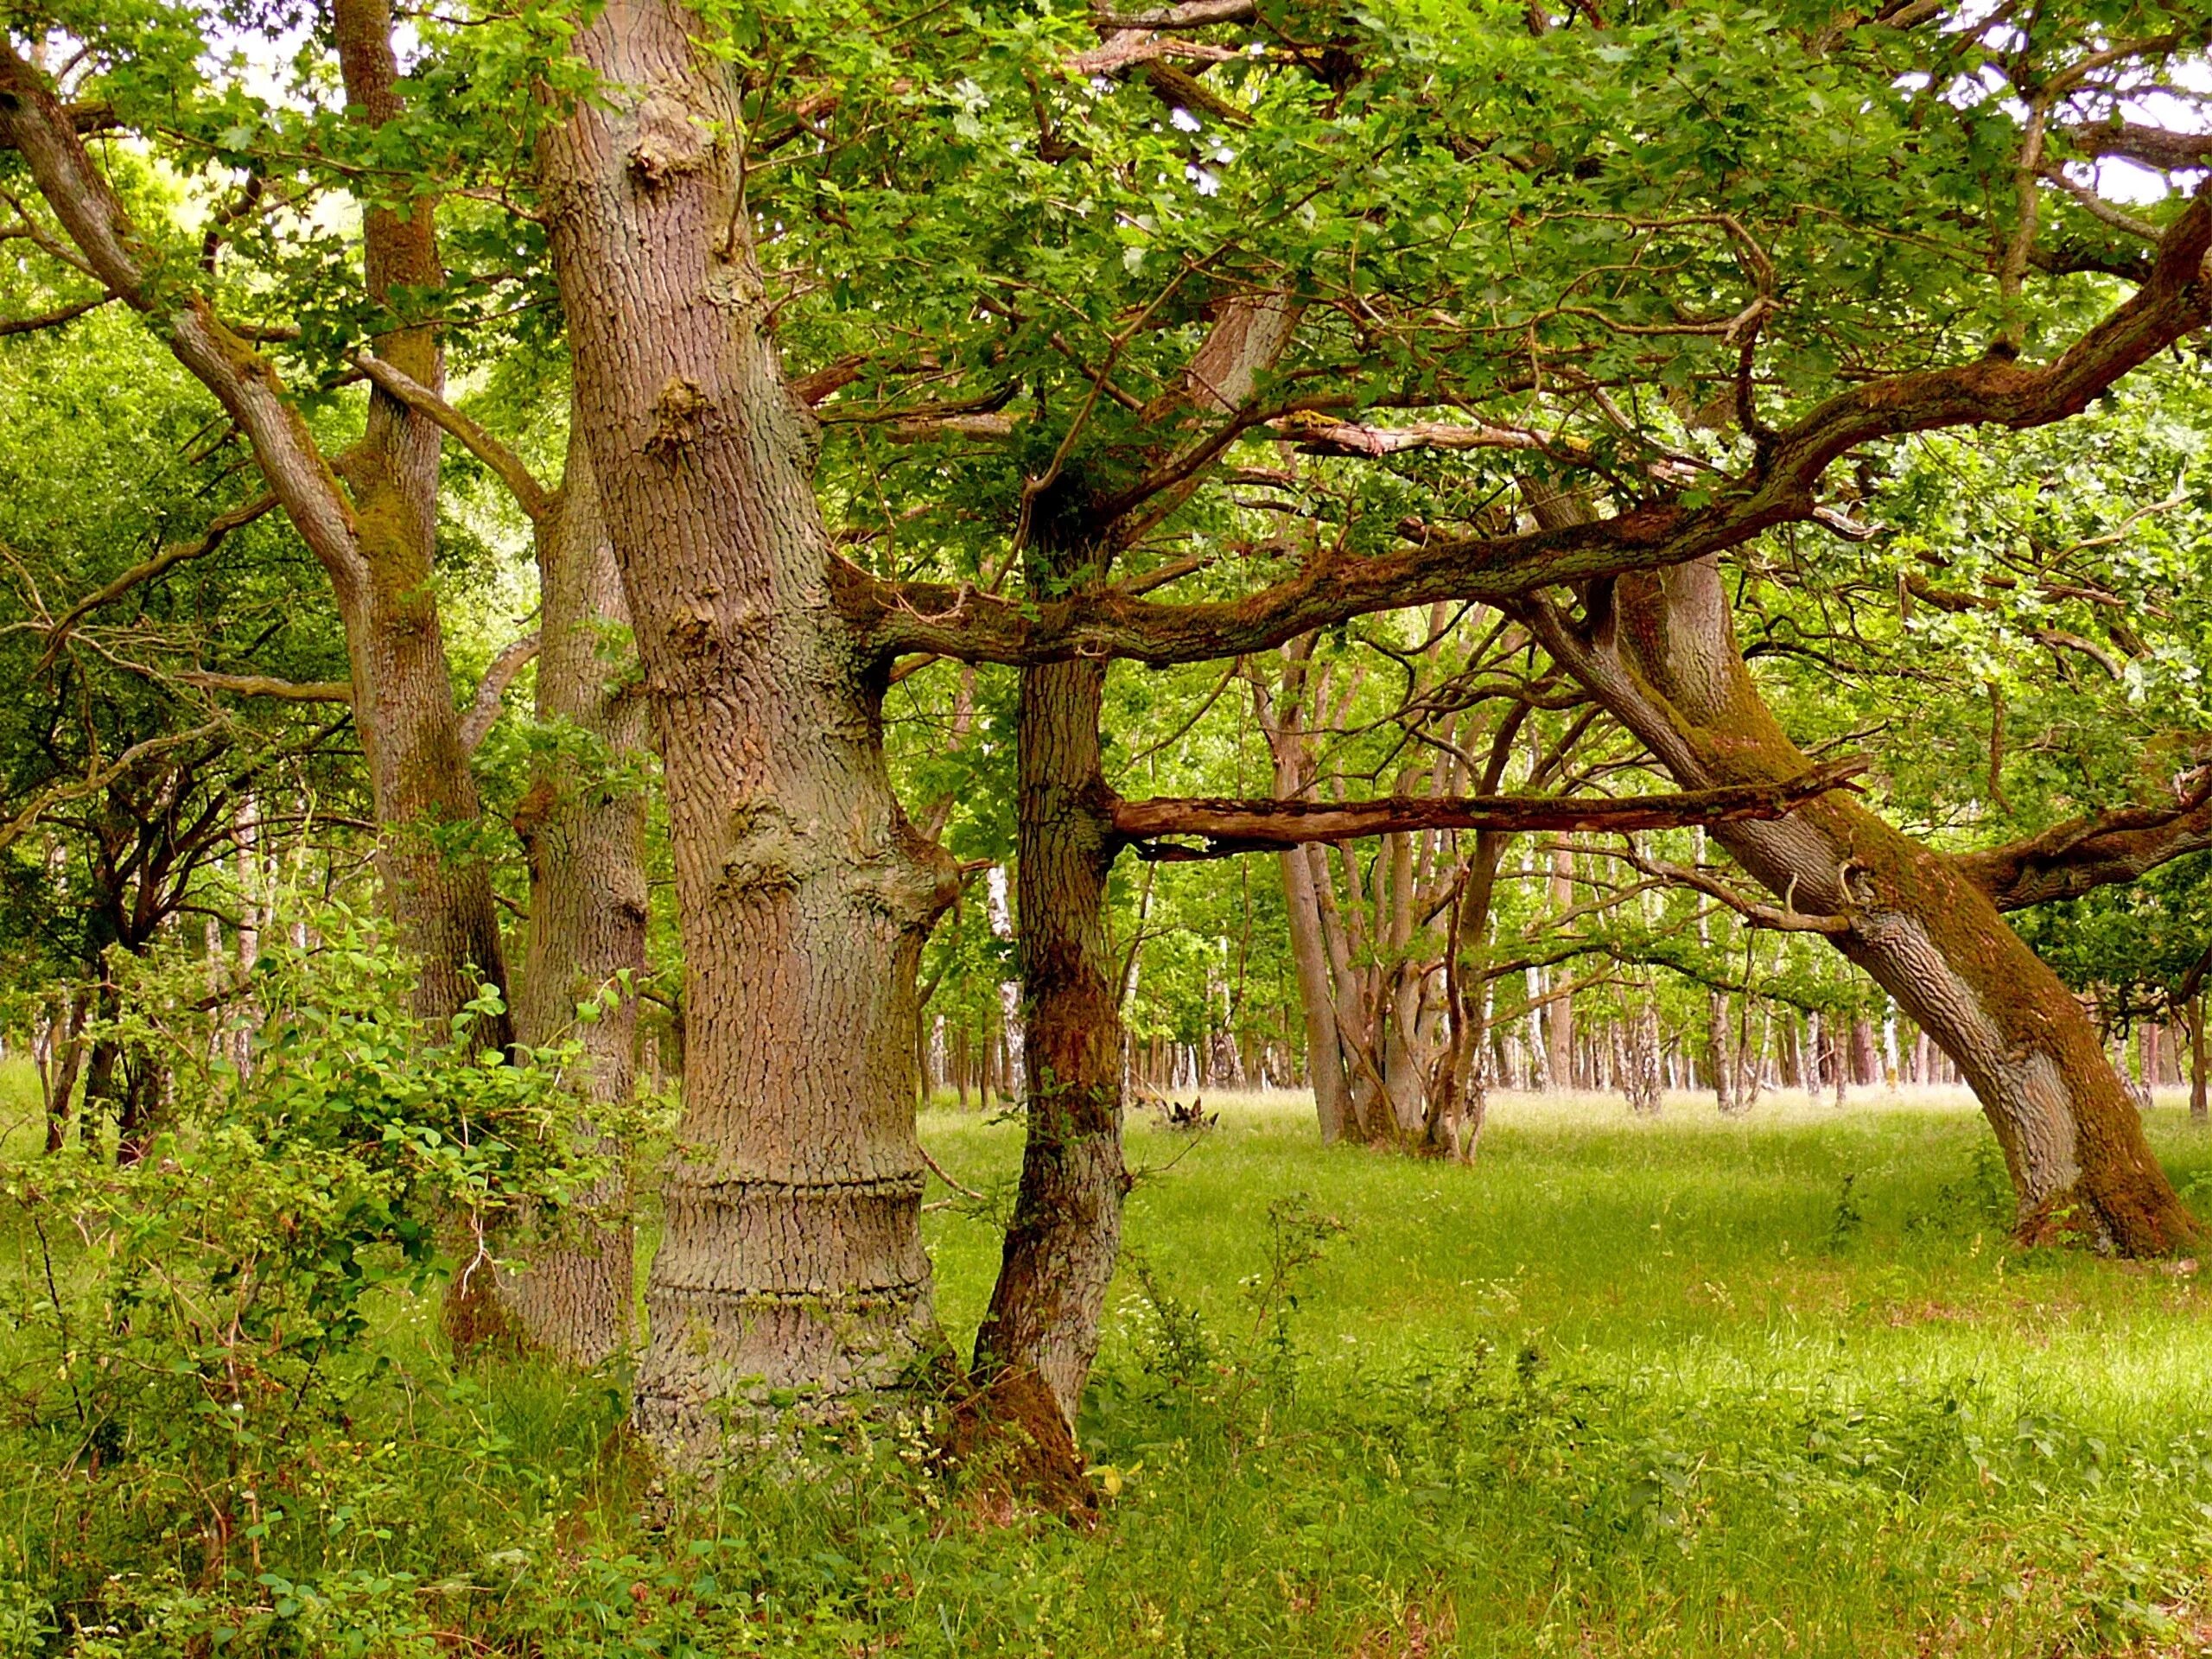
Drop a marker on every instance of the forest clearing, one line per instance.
(1009, 826)
(1672, 1387)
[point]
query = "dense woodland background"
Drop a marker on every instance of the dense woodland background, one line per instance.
(997, 828)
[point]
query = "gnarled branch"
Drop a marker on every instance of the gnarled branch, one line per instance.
(2174, 301)
(2085, 854)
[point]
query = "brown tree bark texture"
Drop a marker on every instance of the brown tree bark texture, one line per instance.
(583, 831)
(440, 895)
(1064, 1236)
(792, 1257)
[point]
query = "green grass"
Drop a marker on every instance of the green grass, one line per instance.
(1696, 1387)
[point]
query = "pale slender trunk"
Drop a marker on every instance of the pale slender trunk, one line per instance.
(2200, 1109)
(792, 1257)
(59, 1108)
(1663, 659)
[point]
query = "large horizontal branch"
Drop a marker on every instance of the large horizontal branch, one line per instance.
(1229, 826)
(2134, 140)
(2174, 301)
(2085, 854)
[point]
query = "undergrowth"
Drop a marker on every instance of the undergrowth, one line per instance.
(1673, 1388)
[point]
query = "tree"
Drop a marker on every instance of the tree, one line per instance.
(372, 534)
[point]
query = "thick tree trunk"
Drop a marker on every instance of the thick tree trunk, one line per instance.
(437, 890)
(583, 825)
(1663, 659)
(791, 1258)
(1042, 1328)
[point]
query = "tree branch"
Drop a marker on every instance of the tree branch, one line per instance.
(484, 709)
(99, 779)
(2134, 140)
(536, 501)
(1231, 826)
(262, 685)
(960, 622)
(46, 132)
(51, 318)
(2085, 854)
(174, 554)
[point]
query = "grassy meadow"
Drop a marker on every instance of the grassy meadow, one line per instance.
(1675, 1388)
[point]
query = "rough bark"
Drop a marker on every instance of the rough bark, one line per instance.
(582, 824)
(1041, 1332)
(439, 892)
(1662, 656)
(1064, 1236)
(791, 1258)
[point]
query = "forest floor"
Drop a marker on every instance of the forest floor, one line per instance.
(1687, 1387)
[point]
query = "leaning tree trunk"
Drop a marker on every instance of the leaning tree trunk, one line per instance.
(1663, 659)
(582, 824)
(791, 1259)
(1035, 1348)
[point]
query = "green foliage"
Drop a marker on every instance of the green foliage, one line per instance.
(192, 1323)
(1602, 1394)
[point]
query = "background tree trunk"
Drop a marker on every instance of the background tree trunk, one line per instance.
(583, 825)
(437, 888)
(791, 1258)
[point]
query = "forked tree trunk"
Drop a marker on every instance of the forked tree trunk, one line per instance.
(1663, 659)
(791, 1258)
(582, 824)
(1035, 1349)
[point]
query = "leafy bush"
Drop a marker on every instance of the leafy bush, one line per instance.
(194, 1317)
